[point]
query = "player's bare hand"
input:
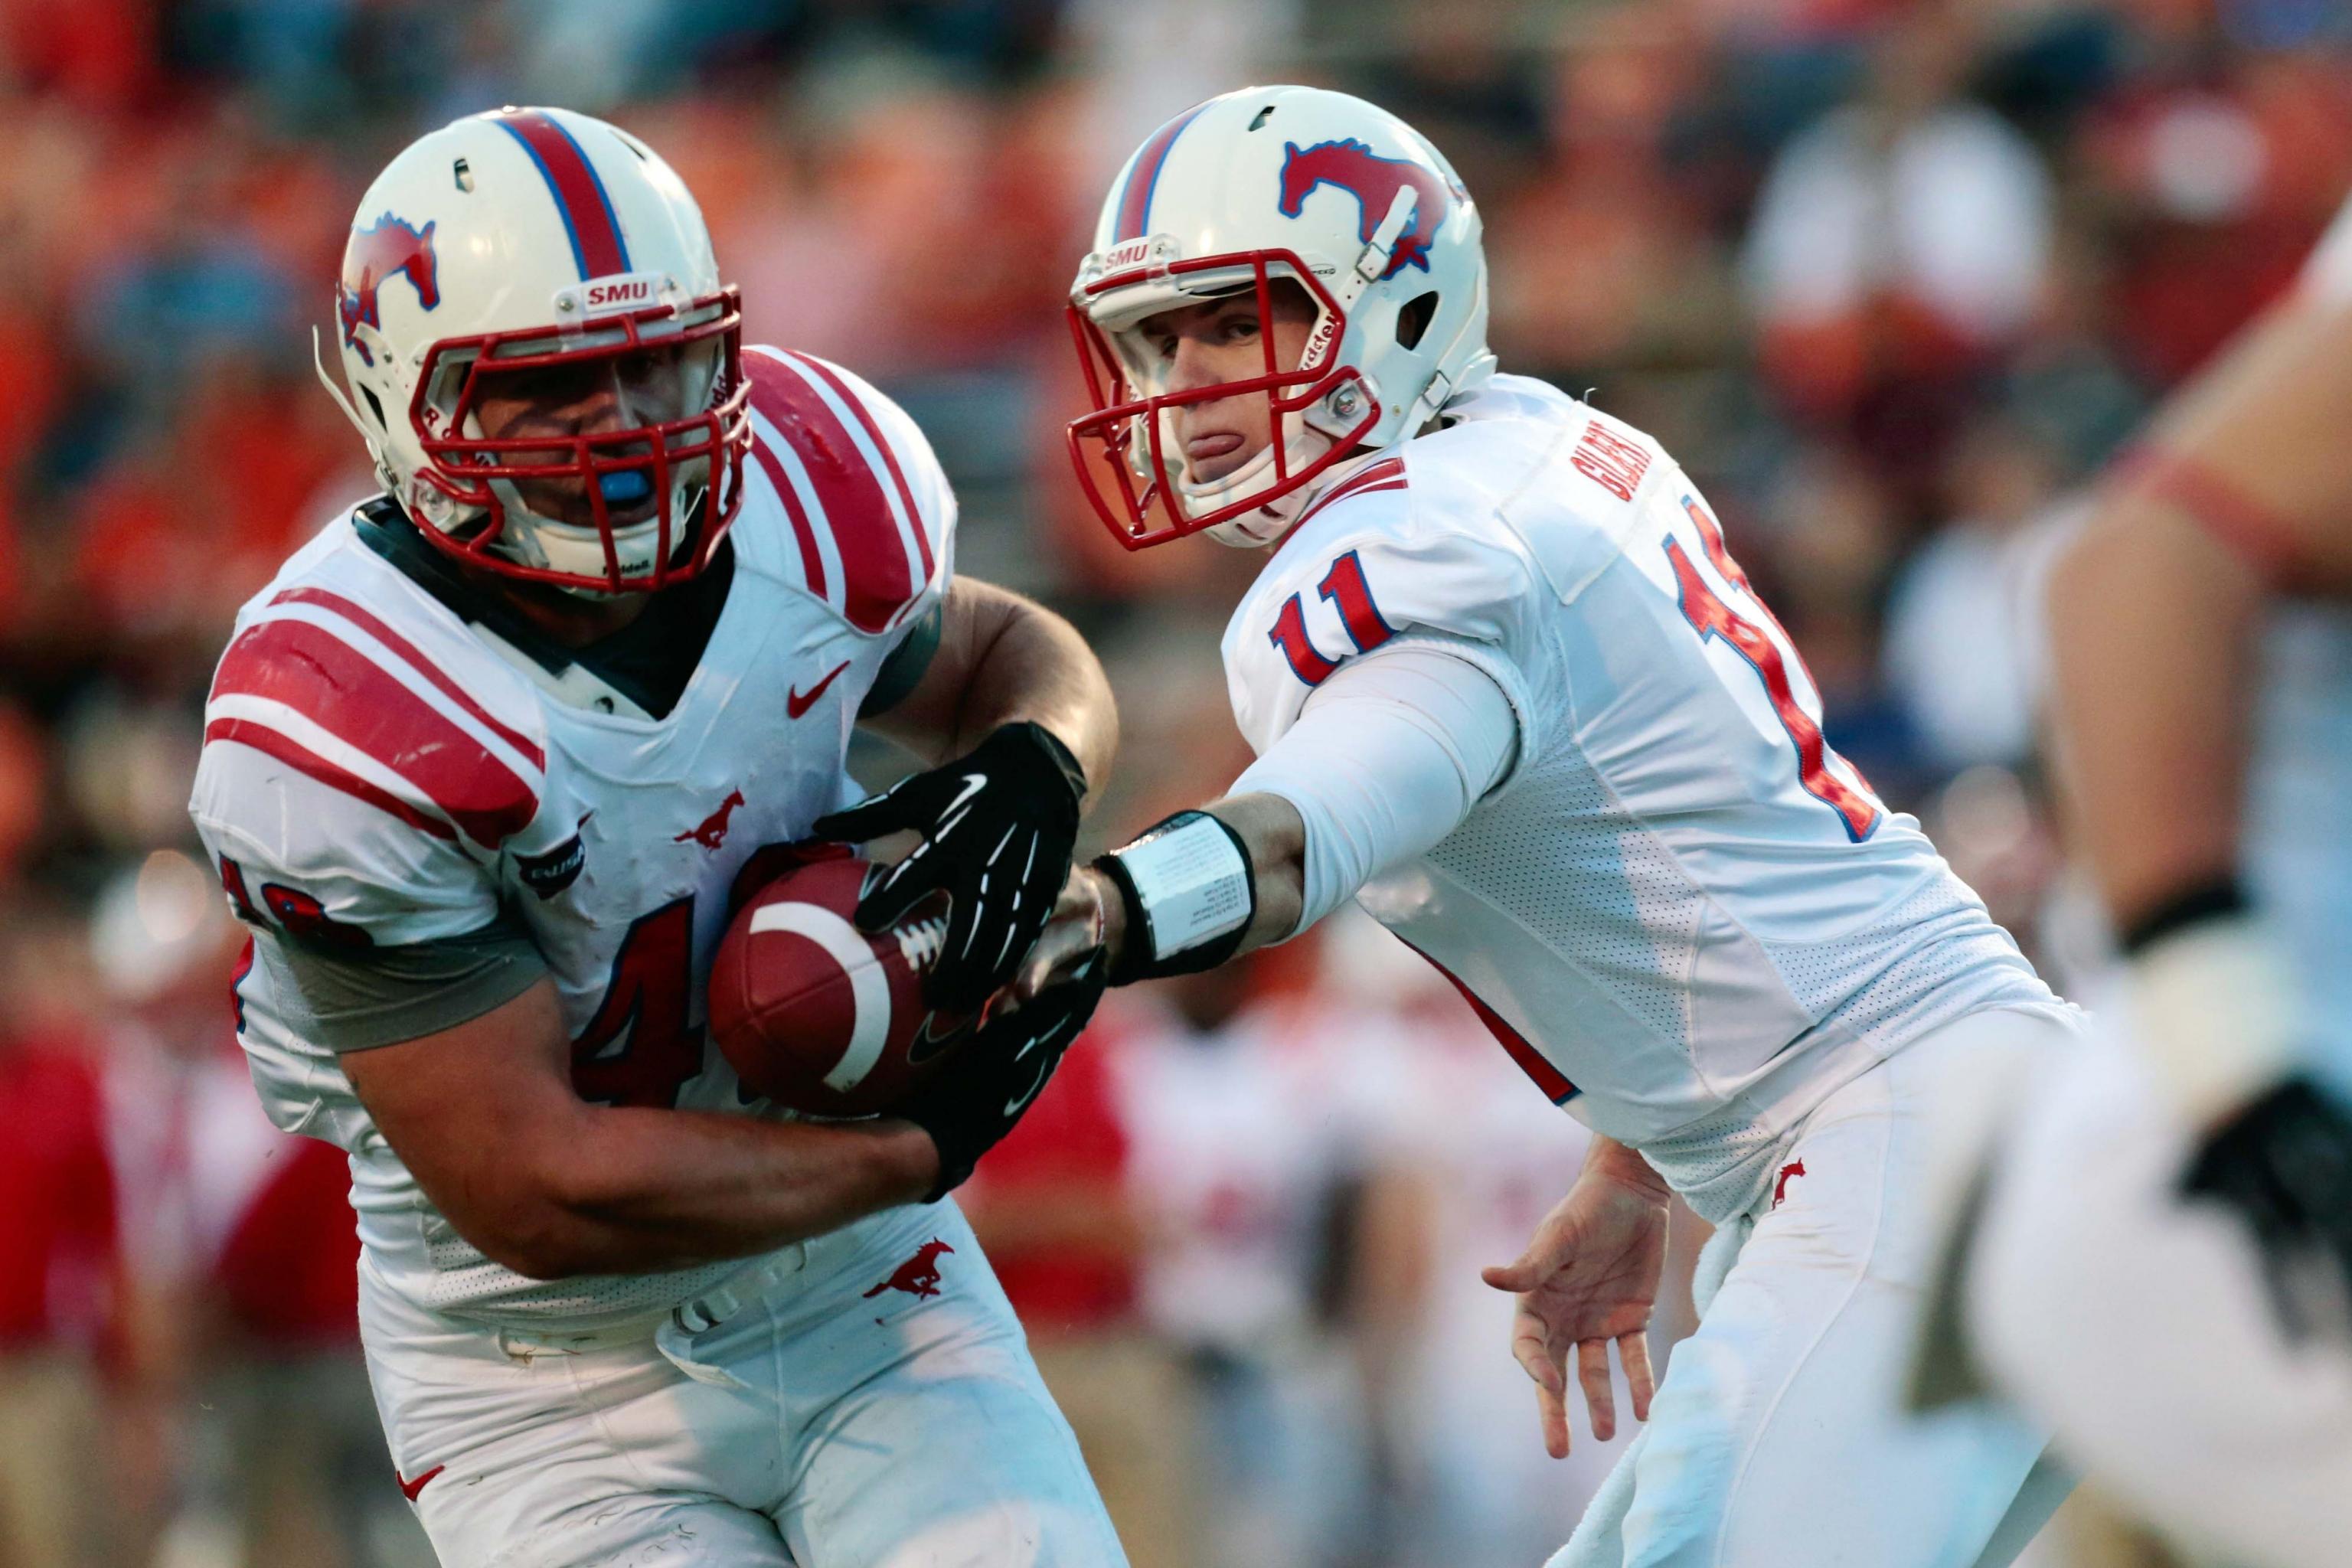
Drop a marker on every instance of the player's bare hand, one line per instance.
(1589, 1277)
(1080, 928)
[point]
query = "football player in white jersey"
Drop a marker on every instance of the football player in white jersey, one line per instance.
(486, 768)
(1510, 690)
(2161, 1263)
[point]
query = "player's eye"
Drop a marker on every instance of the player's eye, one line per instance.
(1240, 327)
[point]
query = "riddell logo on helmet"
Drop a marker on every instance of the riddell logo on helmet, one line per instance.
(388, 246)
(1374, 182)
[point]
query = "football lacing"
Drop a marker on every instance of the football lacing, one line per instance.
(920, 942)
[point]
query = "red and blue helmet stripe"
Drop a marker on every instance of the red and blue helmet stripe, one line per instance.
(597, 246)
(1143, 176)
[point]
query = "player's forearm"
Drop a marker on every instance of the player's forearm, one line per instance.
(2153, 632)
(1003, 659)
(1038, 668)
(1275, 836)
(629, 1191)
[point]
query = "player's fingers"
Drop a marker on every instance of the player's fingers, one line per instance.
(870, 818)
(1056, 955)
(1548, 1250)
(1531, 1347)
(897, 891)
(1633, 1355)
(1520, 1276)
(1552, 1411)
(1599, 1394)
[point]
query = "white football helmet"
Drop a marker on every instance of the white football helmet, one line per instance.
(539, 252)
(1276, 181)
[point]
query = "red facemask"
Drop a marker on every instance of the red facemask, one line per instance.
(1127, 423)
(463, 465)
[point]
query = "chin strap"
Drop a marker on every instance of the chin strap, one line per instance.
(344, 401)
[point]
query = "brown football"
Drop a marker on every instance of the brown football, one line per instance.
(816, 1015)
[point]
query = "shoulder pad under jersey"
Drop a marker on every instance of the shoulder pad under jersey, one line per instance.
(366, 757)
(864, 513)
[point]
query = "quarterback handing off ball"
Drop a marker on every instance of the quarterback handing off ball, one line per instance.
(816, 1015)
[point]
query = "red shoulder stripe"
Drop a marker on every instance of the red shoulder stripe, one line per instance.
(1387, 474)
(337, 688)
(302, 760)
(876, 577)
(889, 460)
(812, 563)
(417, 661)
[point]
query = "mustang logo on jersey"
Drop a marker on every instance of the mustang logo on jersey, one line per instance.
(711, 831)
(1374, 182)
(388, 246)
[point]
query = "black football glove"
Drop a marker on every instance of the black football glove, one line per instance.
(998, 826)
(2284, 1165)
(997, 1074)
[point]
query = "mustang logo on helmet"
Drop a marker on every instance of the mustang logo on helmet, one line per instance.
(1374, 182)
(387, 245)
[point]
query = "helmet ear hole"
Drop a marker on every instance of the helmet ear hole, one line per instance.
(368, 396)
(1413, 318)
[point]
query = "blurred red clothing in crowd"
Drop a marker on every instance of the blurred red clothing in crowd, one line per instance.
(57, 1241)
(287, 1272)
(2218, 183)
(1051, 1199)
(100, 53)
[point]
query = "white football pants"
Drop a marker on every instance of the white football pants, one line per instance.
(866, 1402)
(2139, 1328)
(1778, 1436)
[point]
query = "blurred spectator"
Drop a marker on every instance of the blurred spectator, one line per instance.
(1963, 627)
(1898, 242)
(60, 1263)
(241, 1249)
(1467, 1157)
(1246, 1140)
(2217, 166)
(1886, 277)
(1068, 1236)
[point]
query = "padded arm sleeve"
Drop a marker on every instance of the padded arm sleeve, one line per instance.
(1386, 758)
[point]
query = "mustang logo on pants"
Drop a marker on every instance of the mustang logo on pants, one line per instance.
(1781, 1187)
(920, 1275)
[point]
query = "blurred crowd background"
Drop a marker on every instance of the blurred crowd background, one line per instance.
(1893, 279)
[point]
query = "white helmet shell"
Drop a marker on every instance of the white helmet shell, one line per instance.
(528, 237)
(1334, 193)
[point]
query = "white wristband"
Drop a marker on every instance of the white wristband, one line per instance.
(1192, 881)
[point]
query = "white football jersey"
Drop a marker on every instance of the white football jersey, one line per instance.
(379, 771)
(1686, 917)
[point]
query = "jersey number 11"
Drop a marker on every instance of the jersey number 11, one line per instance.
(1707, 612)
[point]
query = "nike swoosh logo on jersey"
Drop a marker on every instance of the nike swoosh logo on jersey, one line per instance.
(795, 704)
(409, 1488)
